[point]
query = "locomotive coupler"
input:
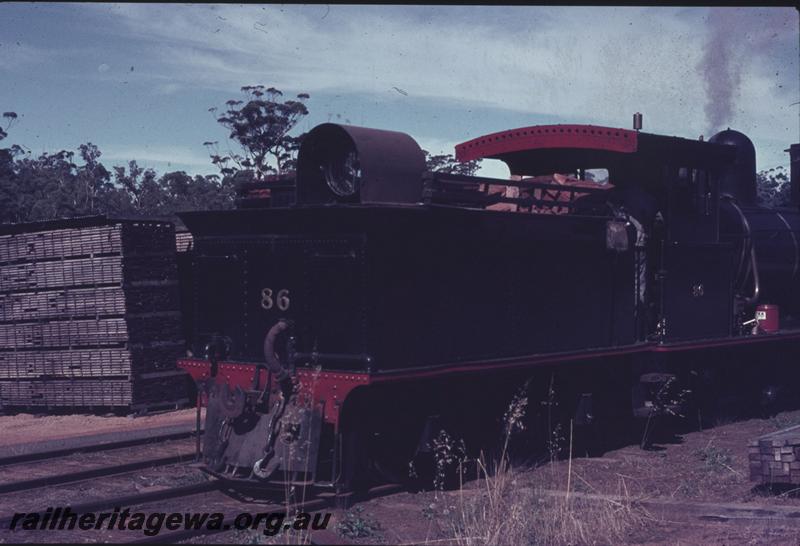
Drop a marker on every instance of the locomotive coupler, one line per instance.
(255, 432)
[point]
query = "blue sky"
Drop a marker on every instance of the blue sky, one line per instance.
(138, 79)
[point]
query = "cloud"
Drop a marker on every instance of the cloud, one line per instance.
(15, 55)
(592, 65)
(164, 156)
(651, 51)
(436, 145)
(168, 88)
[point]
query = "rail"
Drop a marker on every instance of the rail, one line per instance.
(81, 445)
(100, 472)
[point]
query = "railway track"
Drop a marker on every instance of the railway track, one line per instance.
(117, 441)
(100, 472)
(141, 457)
(315, 504)
(78, 463)
(734, 513)
(135, 499)
(227, 505)
(692, 513)
(173, 537)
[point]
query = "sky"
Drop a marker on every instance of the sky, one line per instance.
(138, 79)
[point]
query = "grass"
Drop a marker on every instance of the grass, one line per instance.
(716, 459)
(501, 511)
(785, 420)
(357, 524)
(498, 509)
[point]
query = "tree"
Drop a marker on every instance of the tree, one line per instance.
(446, 163)
(55, 185)
(199, 193)
(10, 118)
(261, 125)
(7, 155)
(147, 197)
(773, 187)
(93, 179)
(41, 188)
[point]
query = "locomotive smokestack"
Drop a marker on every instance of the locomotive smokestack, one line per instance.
(739, 178)
(794, 173)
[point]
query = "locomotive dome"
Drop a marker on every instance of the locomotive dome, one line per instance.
(739, 180)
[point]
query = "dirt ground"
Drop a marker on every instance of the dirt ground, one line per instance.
(24, 427)
(527, 505)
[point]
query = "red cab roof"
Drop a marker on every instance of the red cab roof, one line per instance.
(589, 137)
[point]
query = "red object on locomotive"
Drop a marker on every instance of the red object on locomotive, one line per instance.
(768, 318)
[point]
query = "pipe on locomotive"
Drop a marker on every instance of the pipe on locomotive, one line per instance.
(274, 365)
(753, 266)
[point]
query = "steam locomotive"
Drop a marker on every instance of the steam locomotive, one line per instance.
(369, 304)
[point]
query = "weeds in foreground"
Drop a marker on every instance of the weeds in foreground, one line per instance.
(504, 513)
(357, 524)
(555, 436)
(500, 511)
(666, 402)
(447, 453)
(716, 459)
(784, 420)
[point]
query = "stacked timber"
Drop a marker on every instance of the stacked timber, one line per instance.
(775, 457)
(90, 315)
(184, 243)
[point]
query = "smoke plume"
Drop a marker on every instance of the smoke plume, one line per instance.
(721, 68)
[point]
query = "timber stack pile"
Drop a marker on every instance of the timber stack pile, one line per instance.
(775, 457)
(90, 315)
(184, 243)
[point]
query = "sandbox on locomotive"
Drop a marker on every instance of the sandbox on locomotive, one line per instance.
(369, 304)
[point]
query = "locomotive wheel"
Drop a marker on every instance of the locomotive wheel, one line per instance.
(391, 457)
(354, 460)
(570, 417)
(378, 446)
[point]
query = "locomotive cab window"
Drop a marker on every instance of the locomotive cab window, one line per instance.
(693, 191)
(598, 176)
(693, 204)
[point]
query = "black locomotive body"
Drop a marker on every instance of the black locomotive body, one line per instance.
(389, 288)
(371, 304)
